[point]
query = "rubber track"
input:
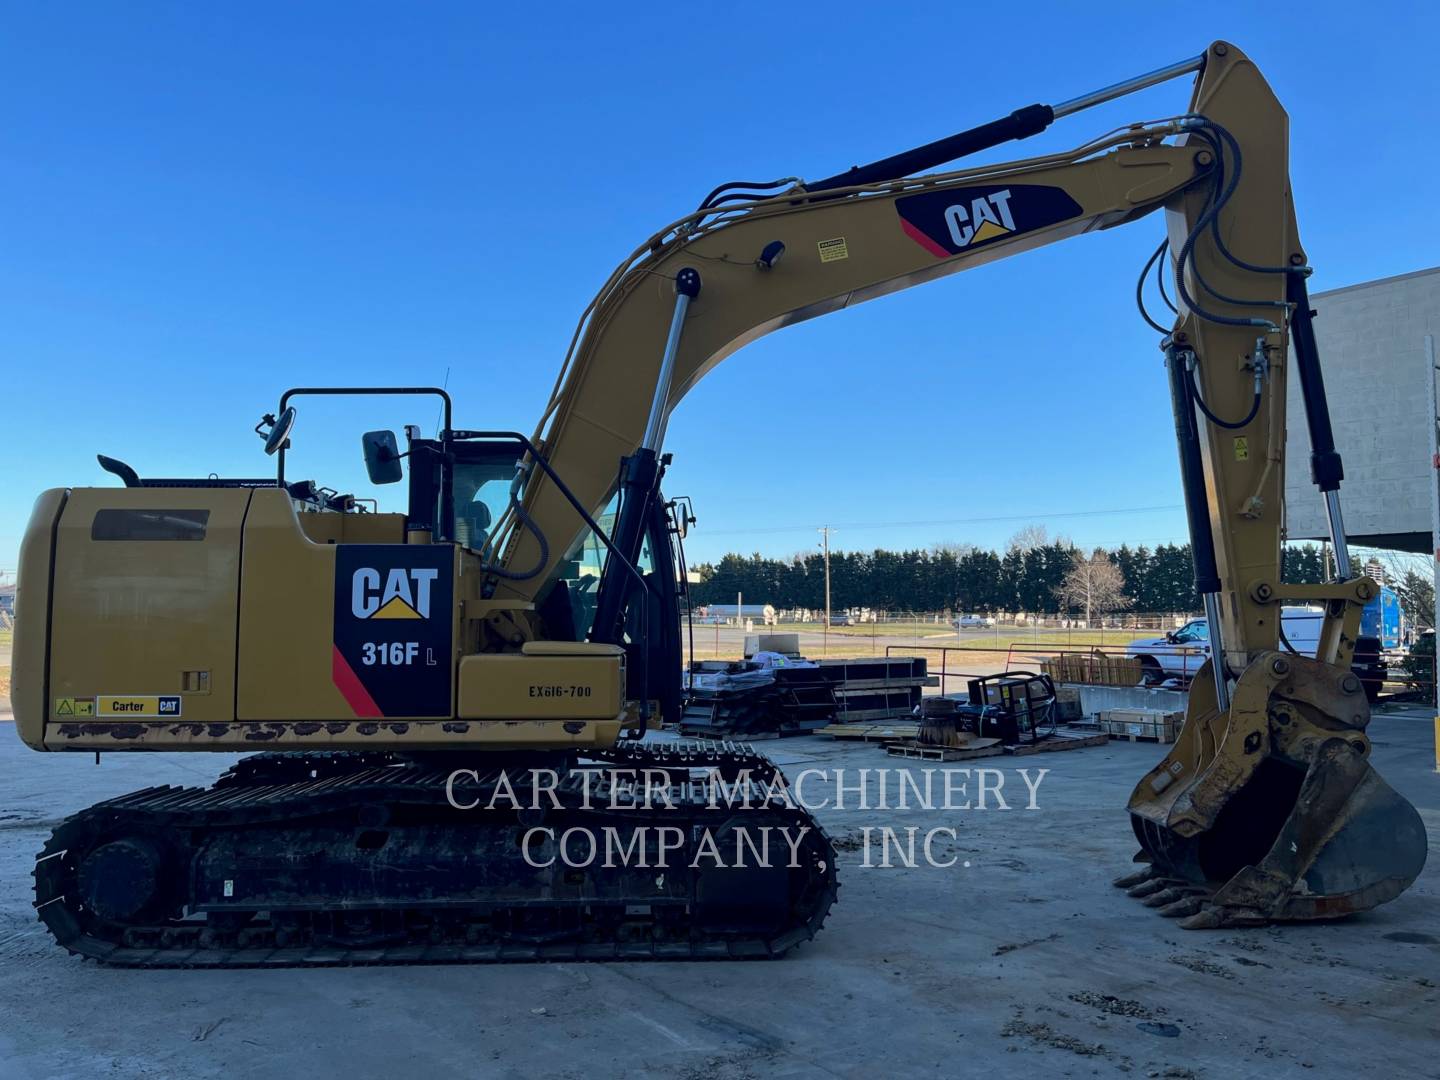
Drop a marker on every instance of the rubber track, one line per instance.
(334, 781)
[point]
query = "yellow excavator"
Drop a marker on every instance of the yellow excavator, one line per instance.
(521, 619)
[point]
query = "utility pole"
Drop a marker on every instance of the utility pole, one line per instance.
(825, 532)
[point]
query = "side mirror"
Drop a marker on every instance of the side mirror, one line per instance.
(279, 433)
(682, 516)
(382, 457)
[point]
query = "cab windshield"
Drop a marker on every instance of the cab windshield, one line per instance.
(1196, 630)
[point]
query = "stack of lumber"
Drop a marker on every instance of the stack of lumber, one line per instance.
(1095, 669)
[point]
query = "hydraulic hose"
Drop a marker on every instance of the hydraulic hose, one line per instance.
(521, 471)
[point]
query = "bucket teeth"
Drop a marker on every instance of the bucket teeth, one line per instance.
(1146, 888)
(1185, 906)
(1137, 877)
(1207, 918)
(1164, 897)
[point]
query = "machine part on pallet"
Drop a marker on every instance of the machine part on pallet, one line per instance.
(374, 861)
(752, 700)
(1015, 708)
(942, 726)
(871, 689)
(776, 694)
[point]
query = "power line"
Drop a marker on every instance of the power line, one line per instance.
(825, 531)
(1033, 516)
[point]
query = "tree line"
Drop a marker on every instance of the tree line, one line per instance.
(1027, 576)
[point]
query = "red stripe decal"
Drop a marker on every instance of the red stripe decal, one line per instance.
(923, 240)
(349, 684)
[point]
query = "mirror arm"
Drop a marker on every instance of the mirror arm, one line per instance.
(437, 391)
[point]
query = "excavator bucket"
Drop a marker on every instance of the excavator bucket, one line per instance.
(1271, 811)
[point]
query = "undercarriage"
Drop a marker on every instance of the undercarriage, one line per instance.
(673, 851)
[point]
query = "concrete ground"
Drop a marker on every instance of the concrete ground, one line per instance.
(1020, 959)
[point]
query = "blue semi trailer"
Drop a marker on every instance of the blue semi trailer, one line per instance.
(1381, 619)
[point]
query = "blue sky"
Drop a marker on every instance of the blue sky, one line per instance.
(203, 204)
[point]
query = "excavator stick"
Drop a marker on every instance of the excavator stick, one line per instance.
(1266, 808)
(1270, 811)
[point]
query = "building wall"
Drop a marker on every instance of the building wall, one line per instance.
(1372, 352)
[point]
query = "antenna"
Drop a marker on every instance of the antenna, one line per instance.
(444, 385)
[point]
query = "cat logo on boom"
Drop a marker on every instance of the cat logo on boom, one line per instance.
(957, 220)
(987, 217)
(405, 593)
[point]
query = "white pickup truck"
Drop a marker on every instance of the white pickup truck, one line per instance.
(974, 622)
(1180, 653)
(1176, 655)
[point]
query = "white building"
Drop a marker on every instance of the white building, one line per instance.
(1377, 377)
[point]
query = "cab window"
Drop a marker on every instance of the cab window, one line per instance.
(481, 495)
(580, 569)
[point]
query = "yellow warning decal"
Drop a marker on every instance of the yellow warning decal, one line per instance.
(833, 250)
(70, 706)
(1242, 449)
(396, 609)
(144, 705)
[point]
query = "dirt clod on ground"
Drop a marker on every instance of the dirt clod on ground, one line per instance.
(1116, 1006)
(1200, 964)
(1249, 944)
(1048, 1036)
(1012, 946)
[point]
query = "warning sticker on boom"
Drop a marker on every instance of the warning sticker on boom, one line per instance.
(833, 250)
(394, 615)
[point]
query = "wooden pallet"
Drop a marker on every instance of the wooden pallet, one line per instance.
(1061, 740)
(909, 748)
(1125, 736)
(875, 732)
